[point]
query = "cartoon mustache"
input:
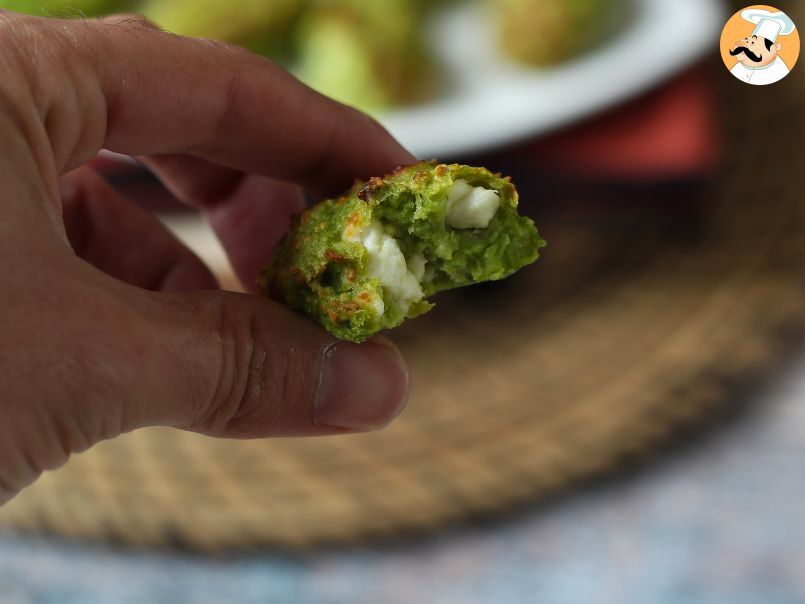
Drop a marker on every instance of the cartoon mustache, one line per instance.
(752, 56)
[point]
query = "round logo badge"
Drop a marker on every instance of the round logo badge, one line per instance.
(760, 45)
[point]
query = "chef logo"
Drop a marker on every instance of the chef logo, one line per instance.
(760, 45)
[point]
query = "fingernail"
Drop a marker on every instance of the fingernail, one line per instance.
(362, 386)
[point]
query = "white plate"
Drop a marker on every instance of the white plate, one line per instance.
(493, 102)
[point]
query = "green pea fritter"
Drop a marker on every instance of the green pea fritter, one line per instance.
(370, 259)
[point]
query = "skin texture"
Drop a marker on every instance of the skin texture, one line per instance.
(322, 271)
(108, 323)
(759, 55)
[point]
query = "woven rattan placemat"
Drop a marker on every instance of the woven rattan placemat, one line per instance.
(520, 389)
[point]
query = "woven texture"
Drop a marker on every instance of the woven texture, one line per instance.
(606, 349)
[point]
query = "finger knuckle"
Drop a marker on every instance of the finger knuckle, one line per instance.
(61, 396)
(249, 388)
(10, 26)
(229, 102)
(22, 34)
(36, 58)
(17, 32)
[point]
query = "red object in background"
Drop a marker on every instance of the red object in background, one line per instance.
(667, 134)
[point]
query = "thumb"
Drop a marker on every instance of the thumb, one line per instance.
(109, 358)
(238, 366)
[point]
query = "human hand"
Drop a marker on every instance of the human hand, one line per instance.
(117, 335)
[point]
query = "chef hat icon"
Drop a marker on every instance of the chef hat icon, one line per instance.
(769, 25)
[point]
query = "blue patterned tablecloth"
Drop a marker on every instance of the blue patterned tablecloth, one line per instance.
(721, 520)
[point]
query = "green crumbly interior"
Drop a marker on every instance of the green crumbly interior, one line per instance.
(323, 267)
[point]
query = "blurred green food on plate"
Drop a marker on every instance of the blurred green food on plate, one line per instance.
(548, 32)
(68, 8)
(368, 54)
(372, 54)
(263, 26)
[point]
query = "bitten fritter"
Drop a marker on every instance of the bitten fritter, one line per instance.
(369, 260)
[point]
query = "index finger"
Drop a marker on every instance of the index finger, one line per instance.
(166, 94)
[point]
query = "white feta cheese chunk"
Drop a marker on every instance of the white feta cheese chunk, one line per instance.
(416, 264)
(387, 264)
(470, 207)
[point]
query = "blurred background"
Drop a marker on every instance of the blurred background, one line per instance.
(621, 422)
